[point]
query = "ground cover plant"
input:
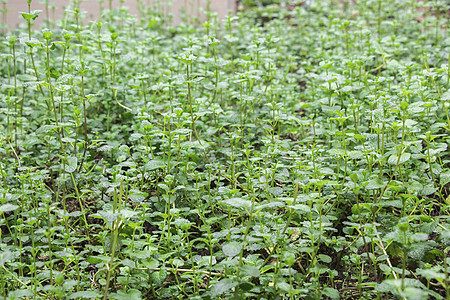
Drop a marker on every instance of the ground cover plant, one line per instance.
(292, 151)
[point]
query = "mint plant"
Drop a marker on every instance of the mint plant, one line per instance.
(294, 150)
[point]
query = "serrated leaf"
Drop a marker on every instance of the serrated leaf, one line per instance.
(429, 227)
(419, 236)
(221, 287)
(232, 249)
(158, 277)
(417, 251)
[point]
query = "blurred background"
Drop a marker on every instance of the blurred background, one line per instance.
(54, 9)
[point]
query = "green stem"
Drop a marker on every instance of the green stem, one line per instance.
(194, 129)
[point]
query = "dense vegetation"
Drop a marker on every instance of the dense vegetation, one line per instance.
(296, 152)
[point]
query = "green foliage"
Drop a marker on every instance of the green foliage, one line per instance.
(289, 152)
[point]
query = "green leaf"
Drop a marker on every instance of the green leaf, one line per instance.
(109, 216)
(8, 207)
(413, 293)
(444, 178)
(27, 16)
(47, 35)
(45, 129)
(20, 294)
(270, 205)
(251, 271)
(93, 259)
(238, 203)
(151, 263)
(301, 208)
(31, 16)
(284, 286)
(128, 213)
(85, 295)
(385, 269)
(221, 287)
(431, 274)
(69, 285)
(393, 159)
(276, 191)
(232, 249)
(404, 226)
(330, 292)
(419, 236)
(141, 254)
(6, 256)
(137, 196)
(446, 96)
(324, 258)
(429, 227)
(154, 164)
(428, 190)
(131, 294)
(164, 187)
(289, 258)
(246, 286)
(54, 73)
(158, 277)
(63, 79)
(71, 164)
(376, 183)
